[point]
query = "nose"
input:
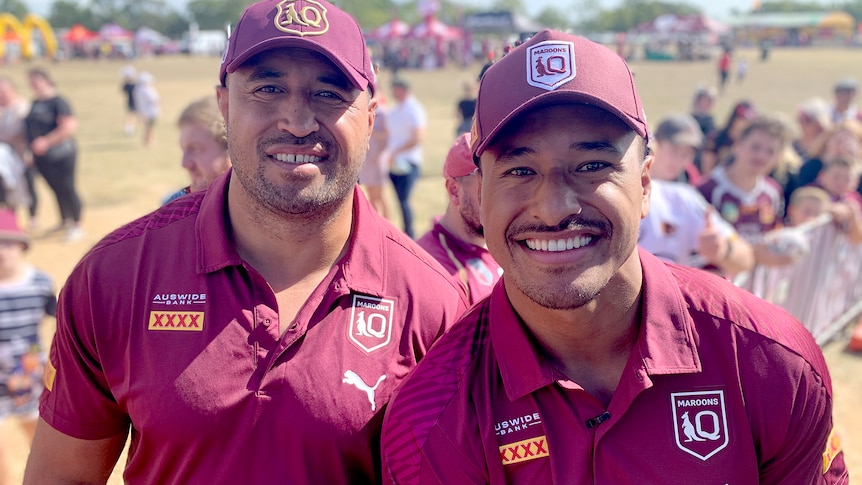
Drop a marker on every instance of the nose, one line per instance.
(556, 198)
(187, 161)
(298, 117)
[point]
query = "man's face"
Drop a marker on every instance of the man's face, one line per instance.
(203, 157)
(468, 204)
(563, 192)
(297, 130)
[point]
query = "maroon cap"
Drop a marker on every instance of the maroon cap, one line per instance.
(550, 68)
(459, 162)
(310, 24)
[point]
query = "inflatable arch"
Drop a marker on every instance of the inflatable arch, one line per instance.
(24, 32)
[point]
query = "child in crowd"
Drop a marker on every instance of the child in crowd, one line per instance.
(839, 178)
(26, 297)
(128, 89)
(148, 104)
(806, 204)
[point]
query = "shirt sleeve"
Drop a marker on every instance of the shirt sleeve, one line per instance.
(77, 400)
(810, 451)
(63, 107)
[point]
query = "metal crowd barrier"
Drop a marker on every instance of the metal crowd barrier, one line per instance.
(823, 289)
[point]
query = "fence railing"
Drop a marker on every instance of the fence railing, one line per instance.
(823, 289)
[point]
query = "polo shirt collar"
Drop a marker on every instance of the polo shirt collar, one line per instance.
(665, 345)
(362, 265)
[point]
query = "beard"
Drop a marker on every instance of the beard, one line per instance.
(470, 215)
(294, 194)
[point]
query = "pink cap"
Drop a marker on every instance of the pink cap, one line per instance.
(9, 228)
(310, 24)
(553, 67)
(459, 161)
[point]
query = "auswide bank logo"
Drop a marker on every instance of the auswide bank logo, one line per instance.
(700, 422)
(371, 322)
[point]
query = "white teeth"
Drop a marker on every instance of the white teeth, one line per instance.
(559, 244)
(296, 158)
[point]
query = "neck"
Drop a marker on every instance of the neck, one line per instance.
(737, 174)
(288, 249)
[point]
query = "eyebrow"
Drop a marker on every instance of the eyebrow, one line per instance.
(337, 80)
(583, 146)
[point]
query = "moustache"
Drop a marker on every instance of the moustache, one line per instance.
(571, 223)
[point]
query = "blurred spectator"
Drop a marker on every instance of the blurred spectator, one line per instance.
(806, 204)
(724, 61)
(813, 118)
(717, 150)
(466, 107)
(457, 239)
(148, 104)
(677, 140)
(839, 178)
(375, 169)
(406, 122)
(845, 94)
(128, 88)
(843, 140)
(26, 298)
(203, 140)
(51, 128)
(16, 187)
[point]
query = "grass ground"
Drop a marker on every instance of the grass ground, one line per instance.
(120, 179)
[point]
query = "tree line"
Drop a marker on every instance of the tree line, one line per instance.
(577, 15)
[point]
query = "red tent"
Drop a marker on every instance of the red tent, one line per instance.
(78, 33)
(391, 30)
(432, 27)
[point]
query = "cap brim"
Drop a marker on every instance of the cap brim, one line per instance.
(350, 71)
(555, 98)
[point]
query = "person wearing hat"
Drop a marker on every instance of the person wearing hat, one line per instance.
(681, 227)
(457, 238)
(255, 331)
(845, 94)
(592, 361)
(26, 299)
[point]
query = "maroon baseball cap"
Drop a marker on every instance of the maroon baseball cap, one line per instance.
(459, 162)
(554, 67)
(309, 24)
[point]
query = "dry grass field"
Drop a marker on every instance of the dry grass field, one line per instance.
(120, 179)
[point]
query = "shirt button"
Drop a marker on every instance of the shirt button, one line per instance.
(293, 327)
(266, 322)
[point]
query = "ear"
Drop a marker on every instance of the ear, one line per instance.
(646, 184)
(222, 98)
(452, 190)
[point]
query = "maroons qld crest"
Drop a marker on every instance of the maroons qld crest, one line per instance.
(700, 422)
(371, 322)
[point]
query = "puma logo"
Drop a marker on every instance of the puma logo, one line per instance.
(353, 379)
(688, 429)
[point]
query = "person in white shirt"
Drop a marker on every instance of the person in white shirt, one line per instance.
(682, 227)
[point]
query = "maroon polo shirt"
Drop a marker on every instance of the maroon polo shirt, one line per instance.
(471, 264)
(721, 387)
(162, 327)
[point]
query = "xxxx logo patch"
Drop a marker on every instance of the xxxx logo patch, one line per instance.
(176, 321)
(526, 450)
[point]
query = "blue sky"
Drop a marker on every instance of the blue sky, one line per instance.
(719, 9)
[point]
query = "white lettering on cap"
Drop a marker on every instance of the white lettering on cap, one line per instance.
(550, 64)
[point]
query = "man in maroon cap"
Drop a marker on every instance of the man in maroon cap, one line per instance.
(457, 238)
(253, 332)
(592, 361)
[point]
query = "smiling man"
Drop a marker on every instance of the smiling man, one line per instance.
(252, 332)
(592, 361)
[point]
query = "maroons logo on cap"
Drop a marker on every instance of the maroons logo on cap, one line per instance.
(550, 64)
(306, 19)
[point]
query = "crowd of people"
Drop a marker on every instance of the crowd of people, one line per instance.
(291, 316)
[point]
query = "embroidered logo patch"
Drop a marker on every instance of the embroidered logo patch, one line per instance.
(700, 422)
(525, 450)
(371, 322)
(307, 20)
(833, 447)
(550, 64)
(176, 321)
